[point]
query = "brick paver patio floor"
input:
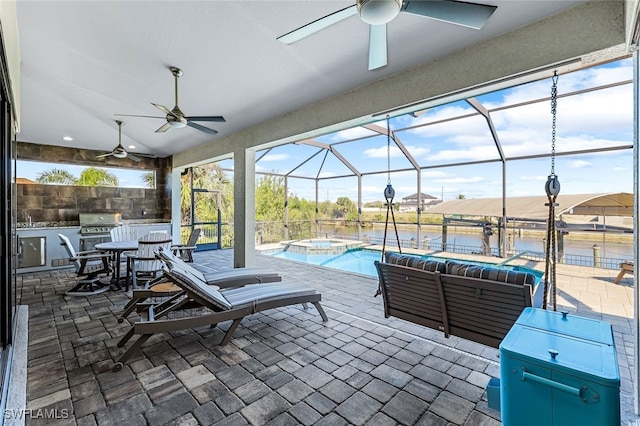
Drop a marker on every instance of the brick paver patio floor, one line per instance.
(284, 366)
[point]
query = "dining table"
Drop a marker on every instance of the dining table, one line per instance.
(116, 248)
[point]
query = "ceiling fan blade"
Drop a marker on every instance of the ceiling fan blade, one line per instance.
(201, 128)
(163, 109)
(133, 115)
(104, 155)
(317, 25)
(218, 119)
(377, 46)
(470, 15)
(166, 126)
(143, 155)
(133, 157)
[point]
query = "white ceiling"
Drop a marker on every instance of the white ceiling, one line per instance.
(84, 61)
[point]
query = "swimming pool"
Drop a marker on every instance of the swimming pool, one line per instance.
(361, 261)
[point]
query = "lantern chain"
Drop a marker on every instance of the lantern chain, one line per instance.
(388, 152)
(554, 104)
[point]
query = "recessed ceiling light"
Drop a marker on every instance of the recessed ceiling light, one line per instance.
(67, 138)
(132, 147)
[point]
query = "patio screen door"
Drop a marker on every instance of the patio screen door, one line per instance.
(206, 215)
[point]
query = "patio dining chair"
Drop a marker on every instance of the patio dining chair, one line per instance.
(185, 251)
(123, 232)
(143, 264)
(89, 265)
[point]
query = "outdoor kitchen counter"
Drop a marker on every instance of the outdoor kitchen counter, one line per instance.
(55, 256)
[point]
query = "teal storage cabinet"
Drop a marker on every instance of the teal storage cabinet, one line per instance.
(559, 369)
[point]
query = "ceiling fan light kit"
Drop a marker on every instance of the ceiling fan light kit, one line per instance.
(119, 151)
(378, 12)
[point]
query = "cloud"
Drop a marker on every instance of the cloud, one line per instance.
(579, 164)
(619, 169)
(276, 157)
(353, 133)
(539, 178)
(461, 179)
(394, 151)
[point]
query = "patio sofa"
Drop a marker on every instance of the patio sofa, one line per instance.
(474, 302)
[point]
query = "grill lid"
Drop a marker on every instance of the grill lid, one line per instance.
(98, 223)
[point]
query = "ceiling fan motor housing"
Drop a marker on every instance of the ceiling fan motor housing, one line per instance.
(378, 12)
(176, 119)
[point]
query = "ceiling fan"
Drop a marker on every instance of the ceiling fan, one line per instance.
(377, 13)
(119, 151)
(175, 117)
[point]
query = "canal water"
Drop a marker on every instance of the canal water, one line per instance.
(607, 249)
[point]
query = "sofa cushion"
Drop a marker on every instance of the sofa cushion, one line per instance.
(489, 273)
(415, 262)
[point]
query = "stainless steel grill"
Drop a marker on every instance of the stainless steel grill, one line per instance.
(95, 228)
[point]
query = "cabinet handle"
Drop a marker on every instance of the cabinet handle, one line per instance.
(551, 383)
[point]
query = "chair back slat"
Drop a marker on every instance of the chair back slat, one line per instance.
(124, 232)
(70, 251)
(193, 237)
(147, 247)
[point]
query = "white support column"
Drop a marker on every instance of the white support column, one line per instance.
(317, 214)
(244, 208)
(419, 209)
(359, 207)
(175, 188)
(286, 208)
(636, 224)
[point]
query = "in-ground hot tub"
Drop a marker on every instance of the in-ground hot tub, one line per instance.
(320, 246)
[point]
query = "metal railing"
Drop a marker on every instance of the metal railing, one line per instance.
(274, 232)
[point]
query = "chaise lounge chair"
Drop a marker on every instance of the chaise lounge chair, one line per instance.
(232, 278)
(214, 305)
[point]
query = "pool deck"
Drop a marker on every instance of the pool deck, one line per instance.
(283, 367)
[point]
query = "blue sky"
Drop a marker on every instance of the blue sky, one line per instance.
(599, 119)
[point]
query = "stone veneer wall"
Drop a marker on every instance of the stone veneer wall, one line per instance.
(61, 204)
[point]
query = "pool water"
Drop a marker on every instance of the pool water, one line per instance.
(361, 261)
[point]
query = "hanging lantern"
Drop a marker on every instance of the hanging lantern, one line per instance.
(389, 192)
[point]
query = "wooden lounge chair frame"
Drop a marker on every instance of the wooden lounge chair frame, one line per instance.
(224, 279)
(475, 309)
(231, 304)
(625, 268)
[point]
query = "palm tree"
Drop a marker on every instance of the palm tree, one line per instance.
(210, 177)
(149, 179)
(56, 176)
(460, 197)
(93, 176)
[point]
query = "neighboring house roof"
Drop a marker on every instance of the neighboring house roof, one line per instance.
(25, 181)
(422, 196)
(612, 204)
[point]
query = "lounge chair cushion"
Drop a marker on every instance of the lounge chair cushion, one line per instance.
(230, 278)
(242, 296)
(202, 289)
(489, 273)
(178, 262)
(415, 262)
